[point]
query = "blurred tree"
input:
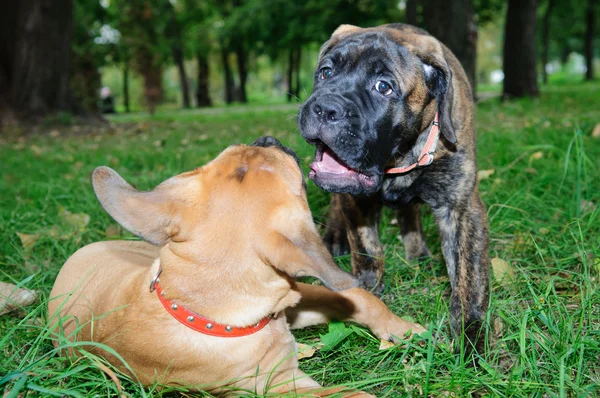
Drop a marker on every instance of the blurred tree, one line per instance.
(519, 55)
(142, 24)
(198, 31)
(454, 23)
(35, 59)
(590, 25)
(174, 36)
(412, 13)
(546, 37)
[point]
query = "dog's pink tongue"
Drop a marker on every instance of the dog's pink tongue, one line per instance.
(329, 164)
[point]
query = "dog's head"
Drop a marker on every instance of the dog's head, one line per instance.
(248, 207)
(375, 90)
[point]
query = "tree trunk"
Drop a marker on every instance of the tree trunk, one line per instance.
(453, 23)
(229, 85)
(411, 12)
(520, 72)
(290, 76)
(590, 22)
(202, 94)
(153, 87)
(298, 64)
(173, 32)
(126, 87)
(546, 39)
(240, 54)
(35, 60)
(185, 89)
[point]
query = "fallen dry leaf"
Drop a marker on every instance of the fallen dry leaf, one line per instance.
(385, 344)
(13, 297)
(28, 240)
(484, 174)
(76, 220)
(113, 377)
(305, 350)
(544, 231)
(502, 269)
(535, 156)
(587, 206)
(596, 131)
(112, 231)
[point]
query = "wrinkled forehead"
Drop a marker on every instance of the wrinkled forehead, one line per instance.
(375, 51)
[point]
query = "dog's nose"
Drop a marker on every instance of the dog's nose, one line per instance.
(329, 112)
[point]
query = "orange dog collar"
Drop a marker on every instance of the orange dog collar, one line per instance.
(426, 156)
(198, 322)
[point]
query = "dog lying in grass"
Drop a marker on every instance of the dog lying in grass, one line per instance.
(210, 300)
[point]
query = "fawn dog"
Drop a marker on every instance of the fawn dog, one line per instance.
(210, 300)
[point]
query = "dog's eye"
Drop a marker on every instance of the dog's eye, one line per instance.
(383, 87)
(325, 73)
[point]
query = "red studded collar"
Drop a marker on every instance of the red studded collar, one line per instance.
(199, 323)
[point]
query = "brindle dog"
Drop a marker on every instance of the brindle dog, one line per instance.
(376, 94)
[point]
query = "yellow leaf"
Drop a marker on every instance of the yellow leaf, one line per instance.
(502, 269)
(484, 174)
(596, 131)
(385, 344)
(27, 241)
(535, 156)
(305, 350)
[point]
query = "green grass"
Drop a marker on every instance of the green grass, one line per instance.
(543, 204)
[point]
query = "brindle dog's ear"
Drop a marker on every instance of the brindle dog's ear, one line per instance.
(438, 76)
(439, 82)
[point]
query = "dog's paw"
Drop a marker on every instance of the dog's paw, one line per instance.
(369, 281)
(400, 330)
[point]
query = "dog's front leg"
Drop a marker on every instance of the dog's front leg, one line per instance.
(321, 305)
(362, 214)
(465, 242)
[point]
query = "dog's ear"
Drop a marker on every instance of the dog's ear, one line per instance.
(436, 72)
(148, 215)
(343, 29)
(302, 253)
(439, 82)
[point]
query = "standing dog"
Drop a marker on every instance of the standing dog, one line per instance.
(209, 305)
(382, 97)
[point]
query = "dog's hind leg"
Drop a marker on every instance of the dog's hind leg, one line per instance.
(409, 219)
(321, 305)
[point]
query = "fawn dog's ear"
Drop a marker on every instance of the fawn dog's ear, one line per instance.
(295, 247)
(149, 215)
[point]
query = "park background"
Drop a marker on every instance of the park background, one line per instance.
(247, 66)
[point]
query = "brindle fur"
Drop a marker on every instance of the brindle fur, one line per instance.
(449, 186)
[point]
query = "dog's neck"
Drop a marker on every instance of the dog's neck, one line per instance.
(229, 296)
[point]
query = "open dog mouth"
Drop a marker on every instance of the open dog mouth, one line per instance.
(332, 174)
